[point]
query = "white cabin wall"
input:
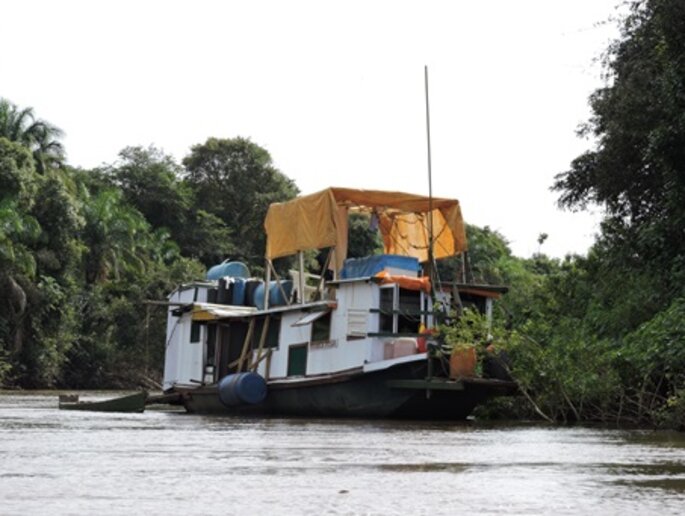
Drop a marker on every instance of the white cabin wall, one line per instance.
(172, 353)
(192, 354)
(288, 335)
(354, 301)
(183, 360)
(340, 354)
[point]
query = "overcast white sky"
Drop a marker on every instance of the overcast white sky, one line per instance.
(334, 90)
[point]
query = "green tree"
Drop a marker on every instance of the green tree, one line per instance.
(78, 259)
(637, 170)
(38, 253)
(363, 240)
(151, 182)
(601, 339)
(18, 231)
(488, 256)
(58, 212)
(207, 238)
(116, 236)
(39, 136)
(235, 180)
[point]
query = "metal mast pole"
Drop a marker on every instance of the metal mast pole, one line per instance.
(431, 259)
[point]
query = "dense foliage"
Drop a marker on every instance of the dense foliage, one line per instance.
(603, 337)
(82, 250)
(236, 181)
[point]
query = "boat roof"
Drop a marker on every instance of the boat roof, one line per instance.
(216, 312)
(476, 289)
(319, 220)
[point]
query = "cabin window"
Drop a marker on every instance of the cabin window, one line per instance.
(272, 333)
(473, 301)
(387, 306)
(297, 360)
(195, 332)
(428, 313)
(400, 310)
(321, 328)
(409, 318)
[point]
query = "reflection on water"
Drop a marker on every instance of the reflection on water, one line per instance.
(161, 462)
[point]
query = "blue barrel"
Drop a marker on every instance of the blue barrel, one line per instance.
(250, 288)
(242, 389)
(233, 269)
(239, 291)
(258, 296)
(275, 295)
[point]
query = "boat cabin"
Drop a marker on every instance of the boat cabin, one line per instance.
(358, 321)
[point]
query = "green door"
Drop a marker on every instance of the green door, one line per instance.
(297, 360)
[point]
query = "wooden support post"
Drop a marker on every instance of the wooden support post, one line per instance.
(280, 287)
(262, 340)
(322, 280)
(269, 266)
(255, 364)
(267, 368)
(332, 256)
(246, 345)
(302, 279)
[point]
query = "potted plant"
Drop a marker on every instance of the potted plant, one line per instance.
(461, 338)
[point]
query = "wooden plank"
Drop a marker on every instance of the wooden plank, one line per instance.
(253, 366)
(262, 340)
(246, 345)
(268, 365)
(163, 303)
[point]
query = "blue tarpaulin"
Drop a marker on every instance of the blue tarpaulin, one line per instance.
(372, 265)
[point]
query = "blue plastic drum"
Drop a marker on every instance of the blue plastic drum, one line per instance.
(232, 269)
(242, 389)
(276, 297)
(239, 291)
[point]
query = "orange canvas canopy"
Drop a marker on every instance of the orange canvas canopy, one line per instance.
(319, 220)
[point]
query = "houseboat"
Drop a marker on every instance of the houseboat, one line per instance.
(354, 340)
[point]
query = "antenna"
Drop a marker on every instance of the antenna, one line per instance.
(430, 173)
(432, 266)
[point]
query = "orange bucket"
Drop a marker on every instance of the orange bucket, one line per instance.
(463, 362)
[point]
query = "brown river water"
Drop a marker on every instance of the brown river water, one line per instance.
(161, 462)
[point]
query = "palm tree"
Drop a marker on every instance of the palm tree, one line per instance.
(117, 237)
(21, 126)
(16, 261)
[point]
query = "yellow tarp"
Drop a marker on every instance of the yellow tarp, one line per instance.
(319, 220)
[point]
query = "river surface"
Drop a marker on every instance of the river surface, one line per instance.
(161, 462)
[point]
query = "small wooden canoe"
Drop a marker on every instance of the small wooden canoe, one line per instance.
(131, 403)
